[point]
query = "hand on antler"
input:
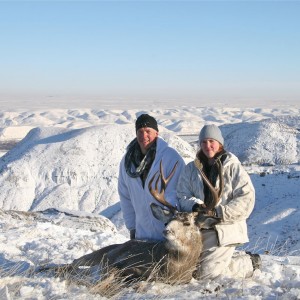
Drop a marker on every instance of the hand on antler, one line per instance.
(202, 209)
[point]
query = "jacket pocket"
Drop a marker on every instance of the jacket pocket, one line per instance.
(232, 234)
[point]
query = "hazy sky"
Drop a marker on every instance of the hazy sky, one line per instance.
(212, 50)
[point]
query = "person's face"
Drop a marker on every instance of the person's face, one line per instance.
(146, 137)
(210, 147)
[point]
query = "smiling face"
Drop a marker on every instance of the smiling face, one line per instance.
(210, 147)
(146, 136)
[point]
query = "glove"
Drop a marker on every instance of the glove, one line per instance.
(201, 209)
(132, 234)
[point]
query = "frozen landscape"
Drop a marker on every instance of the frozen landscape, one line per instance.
(75, 75)
(59, 196)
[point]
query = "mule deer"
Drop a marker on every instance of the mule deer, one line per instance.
(173, 260)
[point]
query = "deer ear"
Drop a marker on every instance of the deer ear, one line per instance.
(206, 222)
(160, 213)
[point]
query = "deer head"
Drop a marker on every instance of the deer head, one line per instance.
(181, 227)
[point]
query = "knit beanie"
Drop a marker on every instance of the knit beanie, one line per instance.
(211, 132)
(145, 120)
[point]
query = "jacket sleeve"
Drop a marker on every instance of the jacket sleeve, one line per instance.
(242, 197)
(125, 201)
(185, 189)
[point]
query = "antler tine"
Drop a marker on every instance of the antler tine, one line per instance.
(160, 195)
(212, 189)
(164, 180)
(156, 184)
(216, 192)
(221, 176)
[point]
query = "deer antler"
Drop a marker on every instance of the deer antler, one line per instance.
(160, 196)
(216, 192)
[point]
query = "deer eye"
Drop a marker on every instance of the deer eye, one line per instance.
(186, 223)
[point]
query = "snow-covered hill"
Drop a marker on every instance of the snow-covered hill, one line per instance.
(267, 142)
(73, 169)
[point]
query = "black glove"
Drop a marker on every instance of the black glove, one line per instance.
(132, 234)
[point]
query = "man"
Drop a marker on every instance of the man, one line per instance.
(138, 166)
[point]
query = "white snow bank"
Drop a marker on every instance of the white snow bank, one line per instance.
(269, 142)
(74, 169)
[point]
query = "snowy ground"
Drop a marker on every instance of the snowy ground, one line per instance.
(64, 170)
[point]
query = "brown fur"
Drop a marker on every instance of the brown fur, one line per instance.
(173, 260)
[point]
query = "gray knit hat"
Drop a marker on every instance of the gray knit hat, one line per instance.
(211, 132)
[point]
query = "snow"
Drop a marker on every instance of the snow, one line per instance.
(59, 196)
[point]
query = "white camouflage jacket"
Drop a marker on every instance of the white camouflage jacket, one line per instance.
(235, 205)
(135, 199)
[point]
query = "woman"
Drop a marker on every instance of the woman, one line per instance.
(233, 206)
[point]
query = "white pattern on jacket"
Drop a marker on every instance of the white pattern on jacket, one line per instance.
(135, 199)
(235, 206)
